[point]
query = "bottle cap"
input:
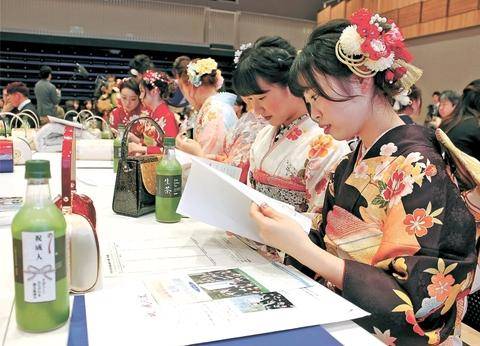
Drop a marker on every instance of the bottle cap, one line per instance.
(37, 169)
(169, 141)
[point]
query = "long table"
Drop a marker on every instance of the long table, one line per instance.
(98, 185)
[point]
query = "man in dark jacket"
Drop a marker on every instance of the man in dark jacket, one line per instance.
(17, 101)
(48, 97)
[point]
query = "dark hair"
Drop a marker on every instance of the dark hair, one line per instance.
(131, 84)
(318, 57)
(180, 65)
(467, 106)
(208, 79)
(240, 102)
(141, 63)
(45, 71)
(165, 84)
(437, 93)
(451, 96)
(17, 87)
(270, 59)
(414, 95)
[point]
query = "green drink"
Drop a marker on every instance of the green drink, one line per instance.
(38, 231)
(117, 147)
(169, 184)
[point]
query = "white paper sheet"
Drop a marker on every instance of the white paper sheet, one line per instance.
(207, 249)
(229, 170)
(221, 201)
(186, 308)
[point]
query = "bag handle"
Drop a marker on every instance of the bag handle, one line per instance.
(31, 114)
(3, 115)
(81, 117)
(124, 152)
(75, 114)
(68, 167)
(4, 125)
(96, 117)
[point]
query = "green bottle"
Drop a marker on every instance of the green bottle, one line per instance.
(38, 231)
(169, 184)
(117, 147)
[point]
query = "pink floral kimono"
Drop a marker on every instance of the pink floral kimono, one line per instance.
(237, 144)
(210, 126)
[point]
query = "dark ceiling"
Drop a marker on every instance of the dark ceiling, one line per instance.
(303, 9)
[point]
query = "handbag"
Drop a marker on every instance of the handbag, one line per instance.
(79, 211)
(22, 150)
(135, 185)
(104, 133)
(25, 131)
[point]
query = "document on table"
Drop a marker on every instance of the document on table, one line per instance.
(229, 170)
(200, 306)
(207, 249)
(221, 201)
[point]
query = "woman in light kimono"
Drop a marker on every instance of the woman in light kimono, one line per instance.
(236, 148)
(396, 238)
(199, 81)
(290, 158)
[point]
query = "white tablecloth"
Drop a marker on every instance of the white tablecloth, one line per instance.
(97, 184)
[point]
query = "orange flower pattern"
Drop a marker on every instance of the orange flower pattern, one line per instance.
(441, 286)
(320, 146)
(421, 220)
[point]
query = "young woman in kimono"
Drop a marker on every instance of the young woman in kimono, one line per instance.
(236, 148)
(199, 81)
(155, 88)
(396, 237)
(130, 106)
(291, 156)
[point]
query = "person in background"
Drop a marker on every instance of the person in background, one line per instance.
(72, 105)
(155, 87)
(448, 101)
(408, 113)
(177, 100)
(17, 101)
(199, 81)
(138, 65)
(396, 239)
(129, 108)
(48, 97)
(240, 107)
(87, 105)
(432, 118)
(236, 149)
(463, 123)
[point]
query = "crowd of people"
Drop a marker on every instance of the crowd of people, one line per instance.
(330, 130)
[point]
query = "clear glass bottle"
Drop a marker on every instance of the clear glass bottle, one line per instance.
(39, 245)
(117, 147)
(169, 184)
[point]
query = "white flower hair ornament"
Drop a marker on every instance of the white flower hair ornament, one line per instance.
(239, 52)
(373, 44)
(199, 68)
(401, 100)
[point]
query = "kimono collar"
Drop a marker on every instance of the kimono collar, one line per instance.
(404, 137)
(282, 129)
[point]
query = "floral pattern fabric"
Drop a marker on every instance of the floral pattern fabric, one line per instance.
(406, 236)
(298, 162)
(238, 142)
(210, 129)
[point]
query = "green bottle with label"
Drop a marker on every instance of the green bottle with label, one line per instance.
(169, 184)
(117, 147)
(39, 245)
